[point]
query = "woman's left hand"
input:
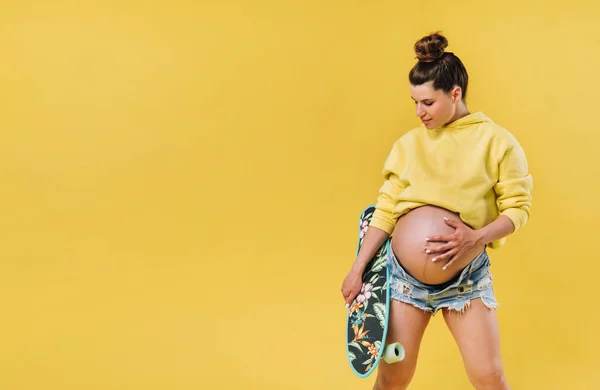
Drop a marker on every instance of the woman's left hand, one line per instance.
(464, 241)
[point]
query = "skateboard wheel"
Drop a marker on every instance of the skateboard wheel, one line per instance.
(393, 353)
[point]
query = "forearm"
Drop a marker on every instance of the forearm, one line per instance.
(372, 241)
(499, 228)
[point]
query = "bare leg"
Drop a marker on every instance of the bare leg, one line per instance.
(476, 333)
(407, 326)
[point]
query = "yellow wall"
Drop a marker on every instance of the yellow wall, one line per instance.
(181, 182)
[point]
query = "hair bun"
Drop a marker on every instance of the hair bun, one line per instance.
(431, 47)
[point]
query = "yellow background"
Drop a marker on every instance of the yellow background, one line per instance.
(181, 183)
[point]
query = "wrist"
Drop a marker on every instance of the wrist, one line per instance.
(358, 266)
(481, 237)
(499, 228)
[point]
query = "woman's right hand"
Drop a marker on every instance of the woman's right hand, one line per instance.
(351, 286)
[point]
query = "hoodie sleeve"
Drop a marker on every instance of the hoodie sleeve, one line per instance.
(513, 189)
(384, 217)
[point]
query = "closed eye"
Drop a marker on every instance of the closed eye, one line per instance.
(425, 103)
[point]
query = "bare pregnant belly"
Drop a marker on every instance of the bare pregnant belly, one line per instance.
(408, 243)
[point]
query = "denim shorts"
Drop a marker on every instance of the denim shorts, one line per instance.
(474, 281)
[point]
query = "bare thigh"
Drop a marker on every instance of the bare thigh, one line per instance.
(478, 338)
(407, 325)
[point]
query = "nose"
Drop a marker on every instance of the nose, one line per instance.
(420, 111)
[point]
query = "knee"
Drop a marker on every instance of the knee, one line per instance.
(396, 380)
(489, 379)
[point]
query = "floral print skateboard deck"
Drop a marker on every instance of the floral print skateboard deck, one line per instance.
(367, 322)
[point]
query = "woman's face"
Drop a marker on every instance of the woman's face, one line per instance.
(435, 108)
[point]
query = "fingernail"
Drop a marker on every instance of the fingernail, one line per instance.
(445, 219)
(444, 268)
(434, 259)
(347, 305)
(427, 251)
(426, 238)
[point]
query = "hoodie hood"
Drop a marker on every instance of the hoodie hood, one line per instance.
(468, 121)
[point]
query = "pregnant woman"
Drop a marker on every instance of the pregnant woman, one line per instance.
(452, 187)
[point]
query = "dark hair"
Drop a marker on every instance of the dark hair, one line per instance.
(443, 68)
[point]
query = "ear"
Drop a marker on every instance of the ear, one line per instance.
(456, 94)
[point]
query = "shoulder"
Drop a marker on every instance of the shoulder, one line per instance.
(502, 142)
(498, 136)
(408, 139)
(503, 135)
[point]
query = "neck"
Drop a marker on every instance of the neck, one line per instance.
(461, 111)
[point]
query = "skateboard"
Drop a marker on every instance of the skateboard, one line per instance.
(367, 321)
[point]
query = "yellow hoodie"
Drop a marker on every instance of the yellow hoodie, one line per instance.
(471, 166)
